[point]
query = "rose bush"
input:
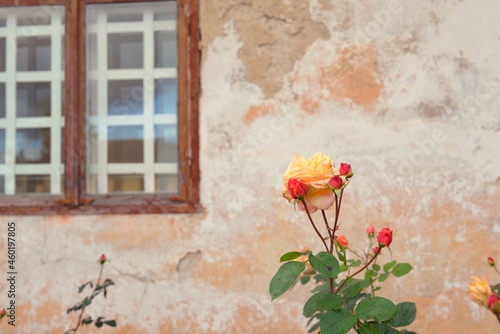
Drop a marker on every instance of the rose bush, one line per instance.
(339, 302)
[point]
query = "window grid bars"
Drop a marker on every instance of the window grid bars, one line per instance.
(148, 120)
(55, 122)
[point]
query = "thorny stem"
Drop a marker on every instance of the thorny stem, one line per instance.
(327, 226)
(338, 203)
(498, 272)
(92, 295)
(314, 225)
(360, 270)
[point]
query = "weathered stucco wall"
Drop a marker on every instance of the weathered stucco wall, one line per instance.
(405, 92)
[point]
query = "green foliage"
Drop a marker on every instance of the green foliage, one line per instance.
(97, 289)
(375, 308)
(340, 305)
(401, 269)
(337, 322)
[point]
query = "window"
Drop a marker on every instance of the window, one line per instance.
(99, 106)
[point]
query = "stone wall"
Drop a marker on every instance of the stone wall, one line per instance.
(407, 92)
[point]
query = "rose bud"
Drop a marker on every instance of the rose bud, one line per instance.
(376, 249)
(336, 182)
(342, 241)
(491, 261)
(494, 303)
(345, 170)
(102, 259)
(297, 189)
(384, 237)
(371, 231)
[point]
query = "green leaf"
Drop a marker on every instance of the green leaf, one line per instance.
(367, 328)
(80, 289)
(286, 276)
(329, 302)
(87, 321)
(337, 322)
(354, 287)
(405, 314)
(290, 256)
(313, 327)
(376, 267)
(325, 263)
(323, 287)
(370, 273)
(377, 308)
(401, 269)
(389, 265)
(110, 323)
(383, 277)
(98, 324)
(354, 263)
(304, 279)
(310, 305)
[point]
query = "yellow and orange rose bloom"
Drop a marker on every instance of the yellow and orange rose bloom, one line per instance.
(480, 290)
(314, 173)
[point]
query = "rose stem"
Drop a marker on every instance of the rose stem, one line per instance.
(313, 225)
(360, 270)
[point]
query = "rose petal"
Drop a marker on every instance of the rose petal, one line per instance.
(321, 199)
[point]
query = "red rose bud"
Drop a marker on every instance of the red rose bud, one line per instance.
(376, 249)
(491, 261)
(102, 259)
(336, 182)
(384, 237)
(342, 240)
(370, 230)
(297, 189)
(345, 169)
(494, 303)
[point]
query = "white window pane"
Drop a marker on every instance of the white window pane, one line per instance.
(165, 49)
(33, 53)
(33, 145)
(125, 183)
(125, 97)
(166, 143)
(33, 99)
(2, 100)
(125, 50)
(166, 96)
(167, 183)
(2, 54)
(32, 184)
(125, 144)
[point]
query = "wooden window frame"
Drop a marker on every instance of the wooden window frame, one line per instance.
(75, 200)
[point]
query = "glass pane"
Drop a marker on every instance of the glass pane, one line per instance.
(32, 184)
(165, 143)
(166, 96)
(125, 183)
(92, 57)
(165, 48)
(124, 15)
(2, 146)
(125, 50)
(125, 144)
(2, 184)
(167, 183)
(33, 17)
(33, 99)
(33, 53)
(2, 54)
(2, 100)
(166, 11)
(125, 97)
(2, 22)
(33, 145)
